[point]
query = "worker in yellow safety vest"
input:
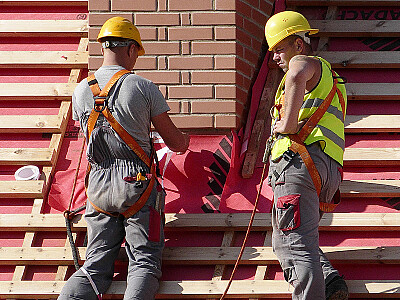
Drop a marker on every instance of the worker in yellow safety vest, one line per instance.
(115, 108)
(306, 157)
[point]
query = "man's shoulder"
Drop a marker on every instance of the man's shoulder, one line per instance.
(81, 86)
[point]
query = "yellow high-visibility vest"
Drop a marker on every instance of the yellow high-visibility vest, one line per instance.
(329, 131)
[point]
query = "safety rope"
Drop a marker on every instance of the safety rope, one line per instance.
(69, 215)
(247, 233)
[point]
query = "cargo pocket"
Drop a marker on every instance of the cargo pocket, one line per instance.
(288, 212)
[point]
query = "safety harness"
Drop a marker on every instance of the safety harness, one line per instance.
(101, 107)
(298, 139)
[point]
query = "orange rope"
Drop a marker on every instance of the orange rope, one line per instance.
(247, 234)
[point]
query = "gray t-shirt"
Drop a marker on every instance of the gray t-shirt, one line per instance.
(133, 102)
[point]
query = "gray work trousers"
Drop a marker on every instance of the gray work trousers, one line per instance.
(295, 219)
(105, 236)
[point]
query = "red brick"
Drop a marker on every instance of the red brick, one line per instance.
(243, 67)
(174, 106)
(256, 44)
(227, 47)
(239, 110)
(251, 56)
(190, 62)
(185, 107)
(190, 92)
(93, 33)
(243, 8)
(253, 28)
(160, 77)
(94, 48)
(98, 19)
(161, 48)
(190, 5)
(148, 33)
(266, 6)
(162, 63)
(225, 4)
(239, 21)
(186, 78)
(186, 48)
(242, 81)
(162, 33)
(190, 33)
(259, 17)
(145, 63)
(157, 19)
(193, 121)
(227, 77)
(227, 121)
(162, 5)
(243, 37)
(94, 5)
(185, 19)
(213, 107)
(225, 33)
(214, 18)
(242, 95)
(133, 5)
(253, 3)
(225, 92)
(163, 90)
(95, 62)
(225, 62)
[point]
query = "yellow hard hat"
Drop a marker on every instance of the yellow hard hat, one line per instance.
(122, 28)
(284, 24)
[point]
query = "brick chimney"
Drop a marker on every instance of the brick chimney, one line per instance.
(201, 53)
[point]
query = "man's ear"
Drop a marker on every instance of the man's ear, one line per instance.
(131, 49)
(299, 44)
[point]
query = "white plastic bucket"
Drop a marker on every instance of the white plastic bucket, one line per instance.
(27, 173)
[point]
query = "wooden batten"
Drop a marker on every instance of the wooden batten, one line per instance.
(29, 124)
(36, 91)
(358, 28)
(45, 28)
(43, 59)
(26, 156)
(21, 189)
(372, 123)
(210, 222)
(200, 255)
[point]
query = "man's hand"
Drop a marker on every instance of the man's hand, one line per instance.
(282, 128)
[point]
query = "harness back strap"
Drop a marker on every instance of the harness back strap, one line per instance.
(298, 139)
(101, 107)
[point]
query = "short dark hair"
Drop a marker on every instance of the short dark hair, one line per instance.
(118, 39)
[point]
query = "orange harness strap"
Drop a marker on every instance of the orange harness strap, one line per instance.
(101, 107)
(298, 139)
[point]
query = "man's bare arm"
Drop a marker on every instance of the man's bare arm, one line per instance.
(175, 140)
(301, 70)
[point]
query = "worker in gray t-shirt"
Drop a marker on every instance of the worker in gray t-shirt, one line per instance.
(118, 177)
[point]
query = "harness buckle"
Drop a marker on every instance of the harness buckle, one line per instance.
(343, 79)
(100, 103)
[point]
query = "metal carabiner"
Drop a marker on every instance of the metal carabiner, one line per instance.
(103, 105)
